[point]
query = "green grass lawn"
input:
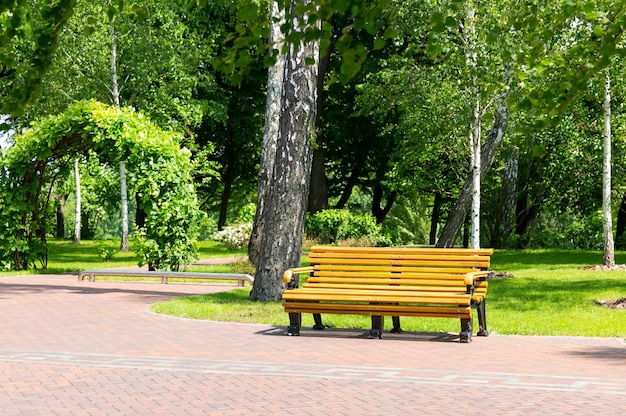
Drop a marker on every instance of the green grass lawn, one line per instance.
(551, 294)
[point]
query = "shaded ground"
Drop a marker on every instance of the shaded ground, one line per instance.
(610, 303)
(613, 303)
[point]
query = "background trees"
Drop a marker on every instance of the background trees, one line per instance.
(396, 108)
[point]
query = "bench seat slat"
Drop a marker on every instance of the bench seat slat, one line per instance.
(395, 269)
(431, 299)
(387, 281)
(417, 286)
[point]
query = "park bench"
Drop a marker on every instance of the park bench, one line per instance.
(164, 275)
(390, 281)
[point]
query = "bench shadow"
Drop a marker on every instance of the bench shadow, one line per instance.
(361, 334)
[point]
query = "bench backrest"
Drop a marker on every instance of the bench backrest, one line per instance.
(439, 269)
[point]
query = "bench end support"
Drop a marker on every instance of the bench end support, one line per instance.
(377, 327)
(466, 331)
(295, 320)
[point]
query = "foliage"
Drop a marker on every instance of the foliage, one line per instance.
(159, 172)
(407, 222)
(28, 36)
(106, 251)
(333, 225)
(235, 236)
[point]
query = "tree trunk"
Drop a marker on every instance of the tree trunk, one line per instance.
(115, 95)
(318, 195)
(620, 227)
(228, 179)
(488, 153)
(608, 258)
(60, 231)
(434, 218)
(287, 196)
(77, 211)
(124, 246)
(347, 190)
(504, 218)
(379, 212)
(475, 127)
(275, 76)
(140, 213)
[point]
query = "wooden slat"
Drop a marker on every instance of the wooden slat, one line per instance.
(383, 297)
(343, 286)
(391, 310)
(426, 262)
(408, 250)
(392, 269)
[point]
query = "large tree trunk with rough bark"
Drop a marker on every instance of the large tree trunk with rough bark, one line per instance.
(275, 76)
(286, 194)
(488, 153)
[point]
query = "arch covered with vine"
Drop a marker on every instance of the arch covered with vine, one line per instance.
(159, 174)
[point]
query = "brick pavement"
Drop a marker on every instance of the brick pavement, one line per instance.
(81, 348)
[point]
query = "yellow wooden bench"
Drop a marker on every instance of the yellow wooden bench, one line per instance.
(390, 281)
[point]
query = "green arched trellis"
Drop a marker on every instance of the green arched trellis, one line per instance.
(159, 173)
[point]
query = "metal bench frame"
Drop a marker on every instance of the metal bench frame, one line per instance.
(164, 275)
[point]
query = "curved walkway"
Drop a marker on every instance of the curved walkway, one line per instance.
(91, 348)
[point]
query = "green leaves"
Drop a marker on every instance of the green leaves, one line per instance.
(158, 169)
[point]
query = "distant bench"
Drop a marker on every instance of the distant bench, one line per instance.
(164, 275)
(426, 282)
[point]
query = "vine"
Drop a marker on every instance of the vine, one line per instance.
(159, 174)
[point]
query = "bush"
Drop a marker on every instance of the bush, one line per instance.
(235, 236)
(334, 225)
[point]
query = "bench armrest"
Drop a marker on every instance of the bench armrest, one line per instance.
(288, 275)
(472, 278)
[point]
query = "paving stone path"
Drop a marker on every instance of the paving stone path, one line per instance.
(93, 348)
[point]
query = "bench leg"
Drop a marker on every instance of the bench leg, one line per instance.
(377, 328)
(466, 330)
(396, 325)
(295, 319)
(318, 322)
(482, 320)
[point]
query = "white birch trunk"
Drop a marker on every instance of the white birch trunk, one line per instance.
(77, 210)
(609, 247)
(115, 93)
(475, 128)
(275, 76)
(124, 246)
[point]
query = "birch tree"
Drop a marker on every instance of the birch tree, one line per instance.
(287, 189)
(77, 210)
(608, 258)
(115, 96)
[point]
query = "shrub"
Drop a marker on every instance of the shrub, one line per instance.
(334, 225)
(106, 252)
(235, 236)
